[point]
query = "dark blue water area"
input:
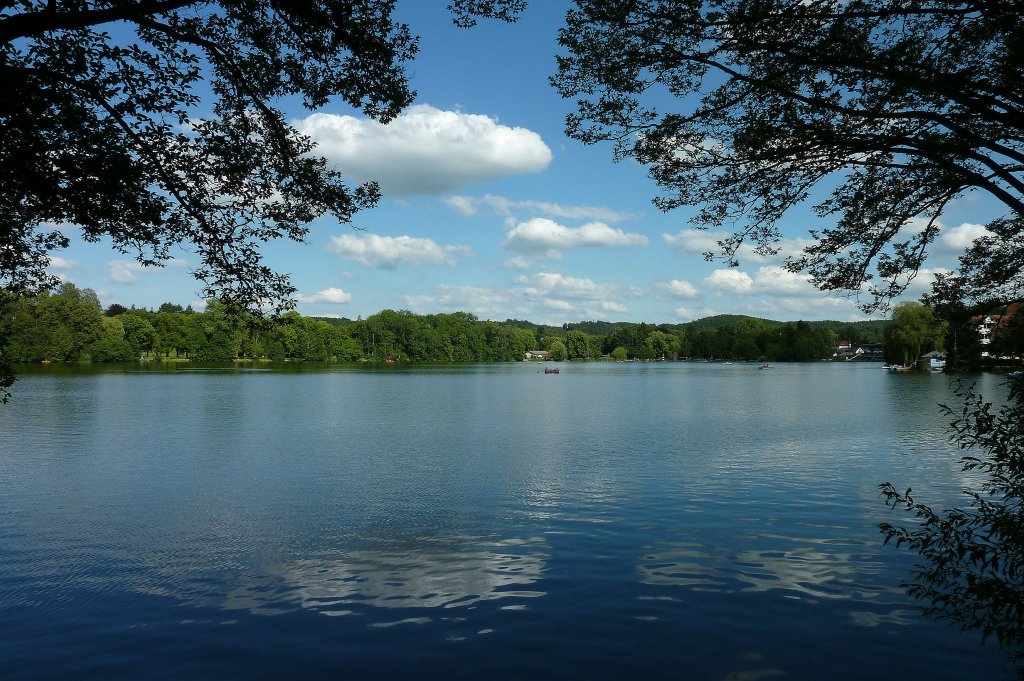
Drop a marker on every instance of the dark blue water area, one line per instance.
(664, 521)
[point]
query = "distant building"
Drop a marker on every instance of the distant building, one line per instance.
(988, 326)
(843, 349)
(537, 354)
(872, 351)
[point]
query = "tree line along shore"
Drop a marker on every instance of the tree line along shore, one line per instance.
(69, 324)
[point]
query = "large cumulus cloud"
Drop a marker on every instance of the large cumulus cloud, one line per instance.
(541, 237)
(426, 150)
(388, 252)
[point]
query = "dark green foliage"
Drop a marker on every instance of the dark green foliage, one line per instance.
(7, 303)
(723, 321)
(58, 326)
(971, 570)
(991, 272)
(745, 108)
(557, 349)
(952, 303)
(576, 345)
(596, 328)
(914, 331)
(335, 321)
(1009, 337)
(737, 337)
(111, 346)
(68, 326)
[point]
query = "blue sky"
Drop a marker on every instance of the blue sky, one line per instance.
(488, 208)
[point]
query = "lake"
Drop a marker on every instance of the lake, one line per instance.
(655, 521)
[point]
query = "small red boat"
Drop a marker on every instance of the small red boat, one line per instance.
(551, 371)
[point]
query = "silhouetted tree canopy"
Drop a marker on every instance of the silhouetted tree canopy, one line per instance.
(155, 123)
(890, 109)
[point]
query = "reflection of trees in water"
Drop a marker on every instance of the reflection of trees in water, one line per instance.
(422, 576)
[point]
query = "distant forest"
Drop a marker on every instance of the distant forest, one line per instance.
(69, 324)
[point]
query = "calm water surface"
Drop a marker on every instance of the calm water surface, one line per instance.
(657, 521)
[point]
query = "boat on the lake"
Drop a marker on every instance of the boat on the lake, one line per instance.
(766, 366)
(550, 371)
(899, 367)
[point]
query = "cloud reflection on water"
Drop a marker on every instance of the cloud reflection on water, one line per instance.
(809, 572)
(428, 575)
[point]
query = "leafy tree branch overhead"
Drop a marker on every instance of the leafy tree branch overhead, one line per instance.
(153, 123)
(898, 106)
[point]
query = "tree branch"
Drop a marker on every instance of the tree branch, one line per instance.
(32, 24)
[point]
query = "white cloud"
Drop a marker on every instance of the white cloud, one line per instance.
(488, 303)
(519, 263)
(729, 281)
(694, 241)
(541, 237)
(62, 264)
(461, 204)
(956, 240)
(545, 298)
(771, 280)
(329, 295)
(426, 150)
(688, 314)
(124, 271)
(912, 227)
(557, 304)
(951, 241)
(698, 241)
(61, 267)
(388, 252)
(573, 297)
(922, 283)
(679, 288)
(778, 281)
(785, 309)
(612, 306)
(561, 286)
(499, 205)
